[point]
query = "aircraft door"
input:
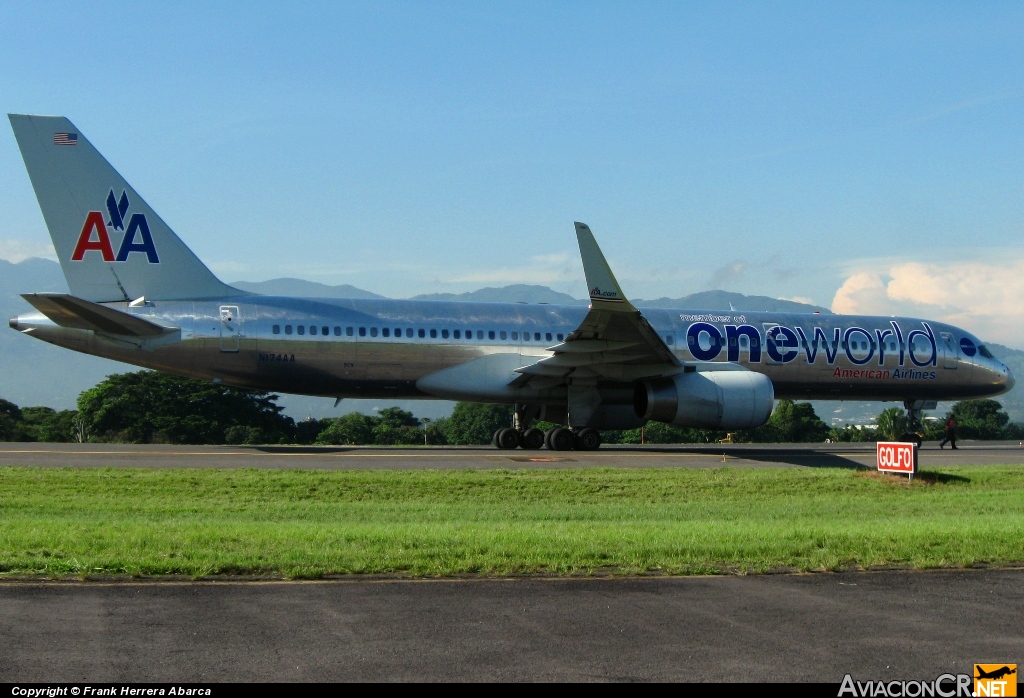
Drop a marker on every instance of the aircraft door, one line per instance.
(230, 328)
(950, 351)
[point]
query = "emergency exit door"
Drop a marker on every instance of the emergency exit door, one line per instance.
(230, 328)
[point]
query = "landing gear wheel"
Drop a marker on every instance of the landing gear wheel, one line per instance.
(508, 438)
(547, 437)
(532, 439)
(494, 439)
(588, 440)
(912, 439)
(563, 440)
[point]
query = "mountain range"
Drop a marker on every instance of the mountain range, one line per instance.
(38, 373)
(525, 293)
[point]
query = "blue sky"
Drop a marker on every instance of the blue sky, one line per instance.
(863, 156)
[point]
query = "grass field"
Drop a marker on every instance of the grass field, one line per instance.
(494, 522)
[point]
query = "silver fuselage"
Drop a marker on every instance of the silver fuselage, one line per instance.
(380, 348)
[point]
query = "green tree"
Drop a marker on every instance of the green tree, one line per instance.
(351, 429)
(148, 407)
(10, 420)
(396, 426)
(791, 422)
(474, 423)
(435, 432)
(32, 421)
(892, 424)
(661, 433)
(308, 430)
(979, 419)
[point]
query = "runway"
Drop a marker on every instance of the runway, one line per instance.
(478, 457)
(874, 625)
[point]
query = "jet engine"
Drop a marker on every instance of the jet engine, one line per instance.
(709, 400)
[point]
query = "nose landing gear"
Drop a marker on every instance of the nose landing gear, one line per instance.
(915, 410)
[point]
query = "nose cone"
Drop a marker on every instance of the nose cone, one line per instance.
(13, 322)
(1008, 379)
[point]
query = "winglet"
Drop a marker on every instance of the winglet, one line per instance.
(605, 292)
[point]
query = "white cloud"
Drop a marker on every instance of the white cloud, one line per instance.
(19, 250)
(984, 298)
(799, 299)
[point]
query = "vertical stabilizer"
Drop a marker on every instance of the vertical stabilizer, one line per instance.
(111, 245)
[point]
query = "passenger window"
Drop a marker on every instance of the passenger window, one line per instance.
(515, 335)
(526, 336)
(560, 336)
(337, 331)
(325, 330)
(503, 335)
(373, 331)
(536, 336)
(276, 329)
(386, 332)
(349, 331)
(457, 334)
(547, 336)
(301, 329)
(490, 334)
(433, 334)
(408, 332)
(362, 331)
(479, 334)
(423, 333)
(444, 334)
(312, 329)
(670, 340)
(398, 331)
(287, 329)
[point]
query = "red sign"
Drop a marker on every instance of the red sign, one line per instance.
(896, 457)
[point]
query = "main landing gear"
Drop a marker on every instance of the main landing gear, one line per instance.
(556, 439)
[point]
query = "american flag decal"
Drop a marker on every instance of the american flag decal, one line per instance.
(65, 139)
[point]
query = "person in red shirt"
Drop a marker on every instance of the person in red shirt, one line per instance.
(950, 434)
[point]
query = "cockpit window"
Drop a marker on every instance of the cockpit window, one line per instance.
(983, 350)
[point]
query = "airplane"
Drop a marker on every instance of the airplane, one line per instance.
(995, 673)
(139, 295)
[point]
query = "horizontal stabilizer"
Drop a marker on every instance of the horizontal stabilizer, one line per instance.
(68, 311)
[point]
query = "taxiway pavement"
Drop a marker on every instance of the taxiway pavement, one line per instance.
(366, 457)
(873, 625)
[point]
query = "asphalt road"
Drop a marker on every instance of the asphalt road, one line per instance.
(356, 457)
(874, 625)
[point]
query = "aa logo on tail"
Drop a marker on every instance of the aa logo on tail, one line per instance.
(95, 226)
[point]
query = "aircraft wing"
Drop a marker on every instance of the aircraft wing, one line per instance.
(614, 341)
(68, 311)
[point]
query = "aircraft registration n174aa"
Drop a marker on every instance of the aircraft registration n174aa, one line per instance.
(139, 295)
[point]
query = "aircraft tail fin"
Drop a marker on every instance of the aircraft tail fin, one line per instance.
(111, 245)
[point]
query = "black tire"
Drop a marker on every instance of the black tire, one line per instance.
(532, 439)
(494, 439)
(563, 440)
(588, 440)
(547, 437)
(508, 439)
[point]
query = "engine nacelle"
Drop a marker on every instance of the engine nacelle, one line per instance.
(709, 400)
